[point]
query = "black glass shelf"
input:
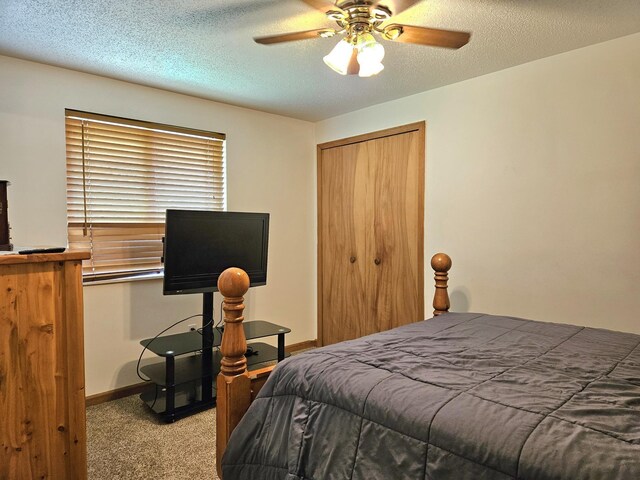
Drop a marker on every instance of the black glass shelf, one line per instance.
(188, 368)
(184, 380)
(189, 342)
(185, 401)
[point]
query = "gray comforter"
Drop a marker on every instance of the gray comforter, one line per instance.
(461, 396)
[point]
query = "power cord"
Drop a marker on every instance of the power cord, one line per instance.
(199, 330)
(220, 320)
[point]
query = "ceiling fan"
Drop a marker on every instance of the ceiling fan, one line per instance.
(359, 52)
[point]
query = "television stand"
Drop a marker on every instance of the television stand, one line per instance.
(184, 380)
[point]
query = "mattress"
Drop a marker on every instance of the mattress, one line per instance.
(459, 396)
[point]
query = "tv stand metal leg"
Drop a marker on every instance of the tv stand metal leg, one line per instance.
(207, 346)
(280, 347)
(170, 397)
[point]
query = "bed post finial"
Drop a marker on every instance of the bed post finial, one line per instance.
(233, 283)
(441, 263)
(234, 388)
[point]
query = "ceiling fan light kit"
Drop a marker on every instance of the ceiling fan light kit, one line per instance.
(338, 59)
(368, 54)
(359, 52)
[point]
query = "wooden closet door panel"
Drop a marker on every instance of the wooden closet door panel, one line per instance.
(344, 229)
(397, 176)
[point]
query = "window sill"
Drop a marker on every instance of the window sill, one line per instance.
(132, 278)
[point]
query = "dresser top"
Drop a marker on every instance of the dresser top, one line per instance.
(14, 258)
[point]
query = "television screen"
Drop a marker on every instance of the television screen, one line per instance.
(200, 245)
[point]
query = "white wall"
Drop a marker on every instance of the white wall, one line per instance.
(270, 168)
(533, 184)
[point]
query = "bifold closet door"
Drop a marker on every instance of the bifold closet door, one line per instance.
(345, 227)
(370, 233)
(396, 170)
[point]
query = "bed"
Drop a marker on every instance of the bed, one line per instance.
(458, 396)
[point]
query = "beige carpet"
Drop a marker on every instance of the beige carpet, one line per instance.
(125, 441)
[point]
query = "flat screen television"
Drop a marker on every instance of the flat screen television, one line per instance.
(200, 245)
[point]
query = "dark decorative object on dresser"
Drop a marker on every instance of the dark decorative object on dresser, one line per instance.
(4, 217)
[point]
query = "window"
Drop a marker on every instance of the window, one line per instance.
(121, 177)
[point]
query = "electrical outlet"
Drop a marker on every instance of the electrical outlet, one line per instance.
(192, 327)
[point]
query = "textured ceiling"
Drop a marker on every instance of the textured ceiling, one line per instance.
(205, 47)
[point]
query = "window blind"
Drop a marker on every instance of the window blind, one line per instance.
(122, 175)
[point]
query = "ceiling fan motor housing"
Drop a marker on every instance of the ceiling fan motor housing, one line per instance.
(360, 17)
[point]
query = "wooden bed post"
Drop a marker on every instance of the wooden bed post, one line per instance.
(233, 383)
(441, 263)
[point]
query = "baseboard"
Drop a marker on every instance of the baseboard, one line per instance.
(121, 392)
(295, 347)
(137, 388)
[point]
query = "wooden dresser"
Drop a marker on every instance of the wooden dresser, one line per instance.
(42, 397)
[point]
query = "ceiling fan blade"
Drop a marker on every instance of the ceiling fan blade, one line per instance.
(397, 6)
(432, 36)
(322, 5)
(291, 37)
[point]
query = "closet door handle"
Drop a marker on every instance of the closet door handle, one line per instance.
(376, 261)
(352, 259)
